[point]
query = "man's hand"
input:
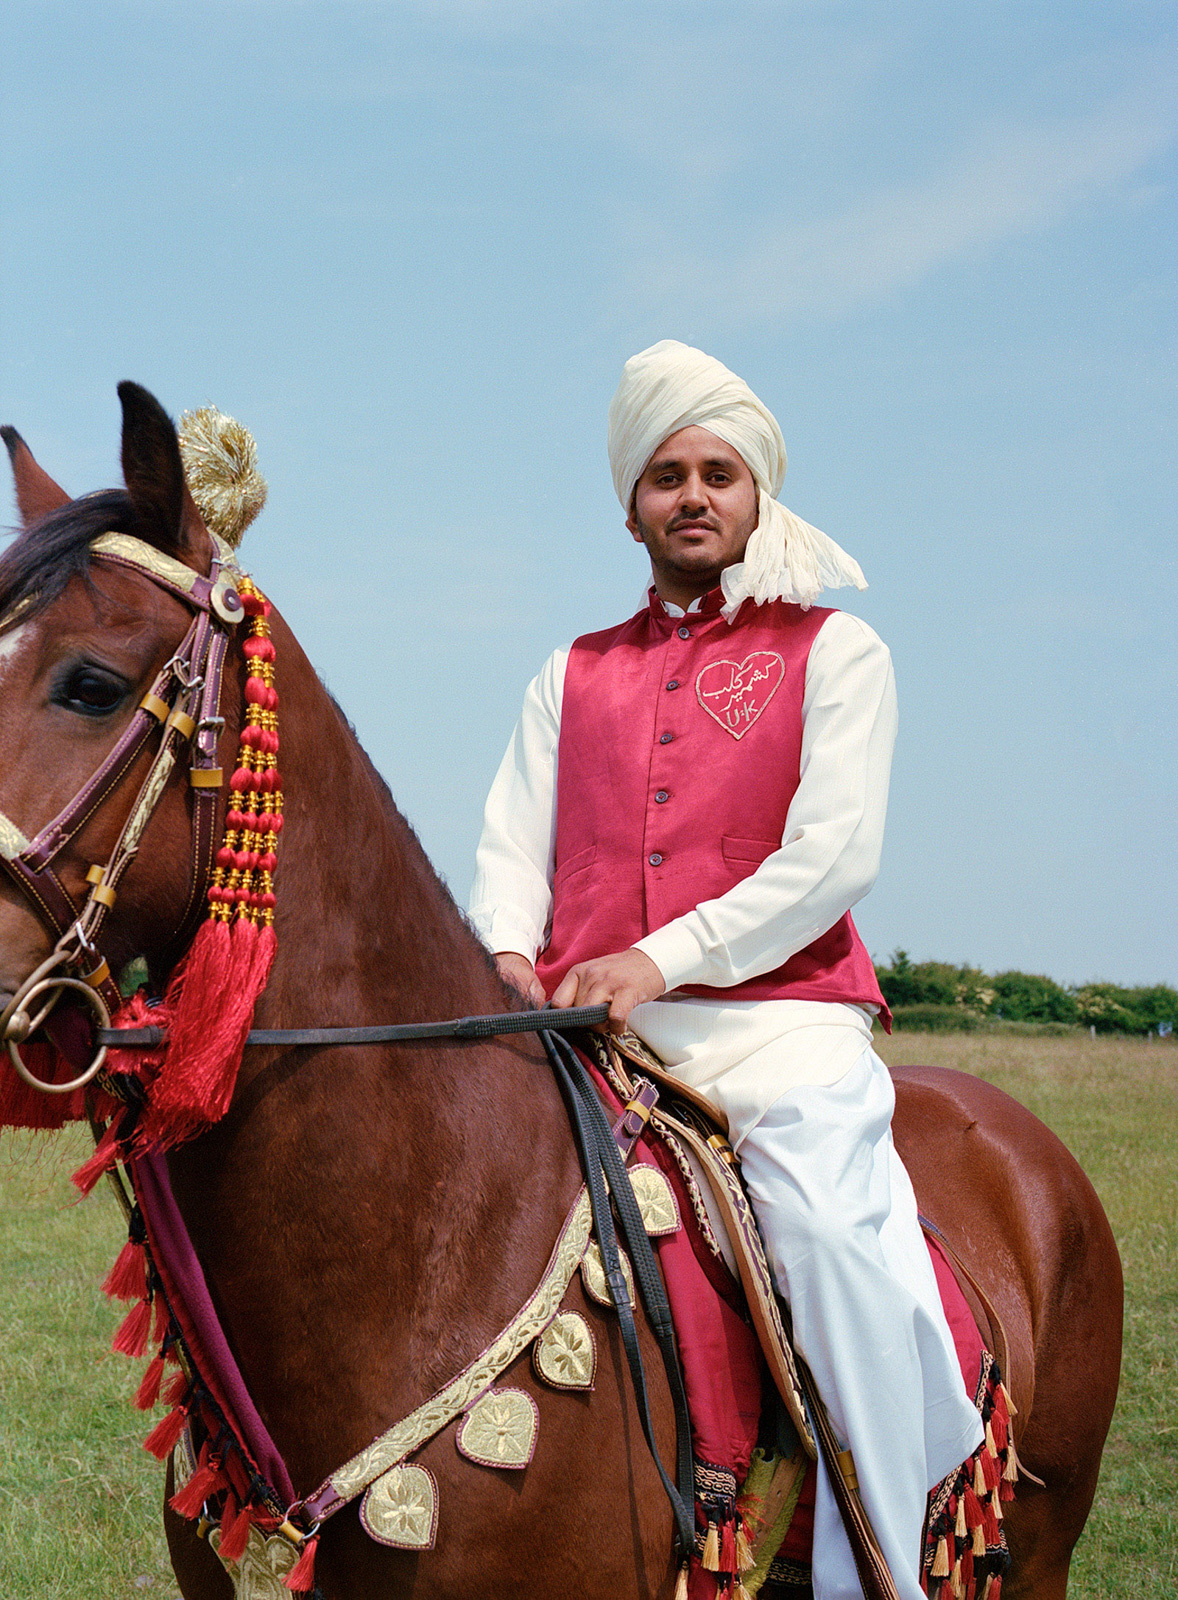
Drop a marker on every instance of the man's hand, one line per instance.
(519, 972)
(625, 980)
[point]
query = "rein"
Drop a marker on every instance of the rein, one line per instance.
(481, 1027)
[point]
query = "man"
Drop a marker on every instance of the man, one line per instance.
(689, 807)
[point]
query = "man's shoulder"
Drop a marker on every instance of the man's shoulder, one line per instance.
(621, 633)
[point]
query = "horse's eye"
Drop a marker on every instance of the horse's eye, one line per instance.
(91, 690)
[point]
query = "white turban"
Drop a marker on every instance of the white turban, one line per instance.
(673, 386)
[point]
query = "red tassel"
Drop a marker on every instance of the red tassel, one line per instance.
(131, 1338)
(189, 1501)
(1005, 1490)
(728, 1548)
(127, 1279)
(991, 1473)
(177, 1390)
(973, 1509)
(990, 1524)
(24, 1107)
(303, 1575)
(148, 1391)
(161, 1441)
(235, 1530)
(105, 1156)
(211, 1005)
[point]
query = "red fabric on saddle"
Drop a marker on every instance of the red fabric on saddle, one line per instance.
(718, 1350)
(966, 1338)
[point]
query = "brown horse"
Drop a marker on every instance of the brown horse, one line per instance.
(368, 1218)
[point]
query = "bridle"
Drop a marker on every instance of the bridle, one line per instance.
(182, 707)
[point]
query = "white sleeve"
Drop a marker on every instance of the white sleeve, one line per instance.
(830, 850)
(511, 898)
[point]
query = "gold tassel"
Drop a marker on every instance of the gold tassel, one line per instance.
(681, 1583)
(1010, 1470)
(990, 1445)
(979, 1480)
(745, 1559)
(958, 1582)
(979, 1540)
(711, 1555)
(221, 467)
(941, 1564)
(959, 1527)
(997, 1504)
(740, 1592)
(1012, 1410)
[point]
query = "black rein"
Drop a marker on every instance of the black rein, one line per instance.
(488, 1027)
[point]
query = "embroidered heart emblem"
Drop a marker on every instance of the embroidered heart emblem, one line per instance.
(736, 692)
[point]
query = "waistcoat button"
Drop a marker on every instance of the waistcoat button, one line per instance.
(666, 738)
(655, 860)
(661, 796)
(685, 633)
(674, 683)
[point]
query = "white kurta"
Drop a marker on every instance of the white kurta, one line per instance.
(807, 1100)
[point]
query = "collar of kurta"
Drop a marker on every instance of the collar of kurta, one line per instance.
(665, 613)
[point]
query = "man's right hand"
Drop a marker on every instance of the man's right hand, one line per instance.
(519, 972)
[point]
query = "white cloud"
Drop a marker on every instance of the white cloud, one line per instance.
(1012, 180)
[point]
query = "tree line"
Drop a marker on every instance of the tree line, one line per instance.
(936, 995)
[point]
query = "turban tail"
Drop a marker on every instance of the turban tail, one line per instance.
(672, 386)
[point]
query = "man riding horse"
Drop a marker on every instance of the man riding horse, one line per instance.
(690, 805)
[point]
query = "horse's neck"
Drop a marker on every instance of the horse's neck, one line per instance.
(391, 1207)
(366, 930)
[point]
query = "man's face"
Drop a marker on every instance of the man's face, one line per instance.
(694, 508)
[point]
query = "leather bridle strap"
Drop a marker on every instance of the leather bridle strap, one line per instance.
(182, 706)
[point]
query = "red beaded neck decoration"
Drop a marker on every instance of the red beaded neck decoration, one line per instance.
(243, 877)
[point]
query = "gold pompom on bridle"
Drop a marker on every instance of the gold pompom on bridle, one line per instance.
(221, 466)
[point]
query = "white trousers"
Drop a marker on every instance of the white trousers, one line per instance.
(838, 1217)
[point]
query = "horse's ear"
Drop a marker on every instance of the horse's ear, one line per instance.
(154, 475)
(36, 493)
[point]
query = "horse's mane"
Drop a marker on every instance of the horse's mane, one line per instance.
(45, 557)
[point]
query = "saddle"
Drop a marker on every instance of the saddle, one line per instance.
(757, 1507)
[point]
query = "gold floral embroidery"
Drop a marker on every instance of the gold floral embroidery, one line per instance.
(401, 1508)
(564, 1355)
(500, 1429)
(656, 1200)
(264, 1564)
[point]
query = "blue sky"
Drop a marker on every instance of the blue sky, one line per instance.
(411, 244)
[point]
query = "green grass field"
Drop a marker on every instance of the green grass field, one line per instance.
(79, 1499)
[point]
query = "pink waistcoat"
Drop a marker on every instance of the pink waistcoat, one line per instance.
(680, 751)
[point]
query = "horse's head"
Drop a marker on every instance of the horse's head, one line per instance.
(83, 639)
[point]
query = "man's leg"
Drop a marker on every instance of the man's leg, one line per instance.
(837, 1212)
